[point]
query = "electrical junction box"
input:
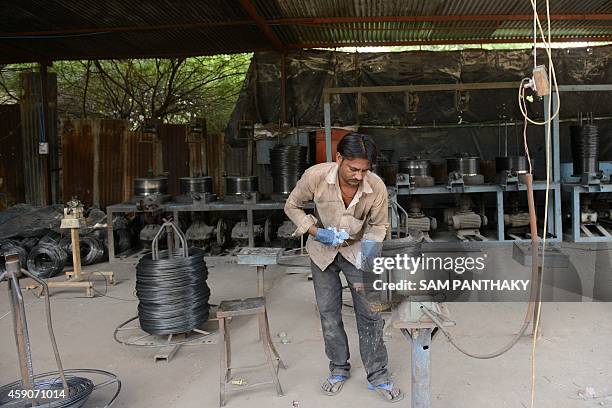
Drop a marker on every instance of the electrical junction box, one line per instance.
(43, 148)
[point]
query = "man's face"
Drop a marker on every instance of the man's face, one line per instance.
(352, 171)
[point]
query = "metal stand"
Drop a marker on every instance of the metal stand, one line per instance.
(420, 330)
(246, 307)
(59, 388)
(167, 346)
(73, 220)
(259, 258)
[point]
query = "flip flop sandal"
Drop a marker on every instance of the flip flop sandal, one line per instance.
(334, 381)
(386, 390)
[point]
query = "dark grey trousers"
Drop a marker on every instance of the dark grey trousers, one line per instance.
(328, 292)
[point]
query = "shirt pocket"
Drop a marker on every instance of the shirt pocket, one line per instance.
(355, 225)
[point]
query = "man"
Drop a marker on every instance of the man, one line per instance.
(350, 222)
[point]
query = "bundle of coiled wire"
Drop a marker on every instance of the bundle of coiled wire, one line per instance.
(79, 390)
(28, 243)
(51, 237)
(123, 240)
(46, 260)
(92, 250)
(172, 292)
(585, 148)
(10, 247)
(288, 164)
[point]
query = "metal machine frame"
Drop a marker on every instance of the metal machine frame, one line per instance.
(574, 189)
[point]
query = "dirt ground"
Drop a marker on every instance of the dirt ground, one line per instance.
(574, 352)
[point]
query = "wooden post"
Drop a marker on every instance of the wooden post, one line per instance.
(76, 253)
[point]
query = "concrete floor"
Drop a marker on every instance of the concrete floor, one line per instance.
(574, 352)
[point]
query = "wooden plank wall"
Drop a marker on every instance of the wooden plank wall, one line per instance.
(101, 158)
(11, 157)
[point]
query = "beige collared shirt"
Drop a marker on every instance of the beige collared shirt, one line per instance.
(366, 216)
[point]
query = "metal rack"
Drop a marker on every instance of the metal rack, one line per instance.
(554, 214)
(575, 190)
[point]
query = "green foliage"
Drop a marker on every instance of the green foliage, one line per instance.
(173, 90)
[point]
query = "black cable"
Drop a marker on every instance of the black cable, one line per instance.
(172, 292)
(46, 260)
(106, 289)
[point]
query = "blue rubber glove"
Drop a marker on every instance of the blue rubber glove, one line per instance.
(340, 237)
(330, 236)
(325, 236)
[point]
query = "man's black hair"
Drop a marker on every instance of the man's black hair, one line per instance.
(358, 146)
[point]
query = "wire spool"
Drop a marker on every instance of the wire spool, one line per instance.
(467, 166)
(196, 184)
(288, 164)
(511, 163)
(79, 390)
(147, 186)
(172, 292)
(46, 260)
(238, 185)
(51, 237)
(585, 149)
(92, 250)
(415, 167)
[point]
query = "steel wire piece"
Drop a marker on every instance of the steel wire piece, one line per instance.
(47, 260)
(585, 148)
(171, 289)
(288, 164)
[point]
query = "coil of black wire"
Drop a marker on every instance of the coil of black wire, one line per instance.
(79, 390)
(123, 240)
(172, 292)
(585, 148)
(51, 237)
(91, 248)
(29, 242)
(46, 260)
(288, 163)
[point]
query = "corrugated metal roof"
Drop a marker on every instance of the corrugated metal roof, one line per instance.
(79, 29)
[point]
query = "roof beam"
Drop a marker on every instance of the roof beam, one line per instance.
(265, 24)
(456, 41)
(421, 19)
(249, 7)
(127, 29)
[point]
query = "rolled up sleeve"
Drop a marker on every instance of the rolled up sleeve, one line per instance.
(378, 221)
(294, 207)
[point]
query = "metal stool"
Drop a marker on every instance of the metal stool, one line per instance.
(245, 307)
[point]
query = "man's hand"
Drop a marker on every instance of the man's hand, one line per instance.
(330, 236)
